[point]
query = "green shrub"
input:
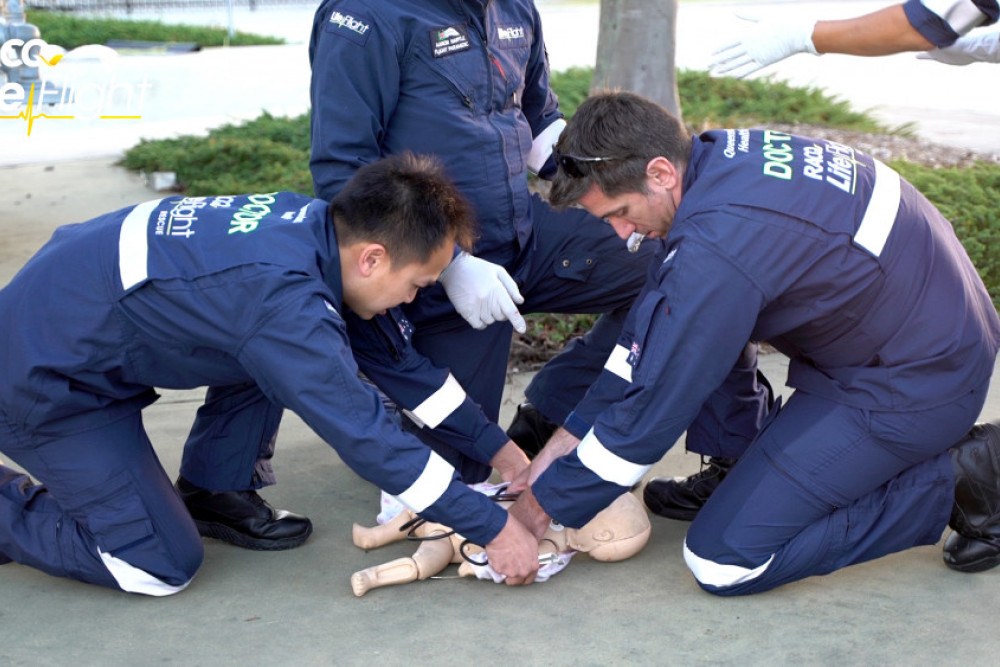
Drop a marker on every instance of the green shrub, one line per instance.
(224, 164)
(70, 31)
(272, 153)
(970, 199)
(714, 102)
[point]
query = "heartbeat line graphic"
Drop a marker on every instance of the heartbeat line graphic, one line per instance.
(29, 116)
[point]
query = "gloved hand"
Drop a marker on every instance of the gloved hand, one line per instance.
(983, 47)
(482, 292)
(550, 564)
(763, 43)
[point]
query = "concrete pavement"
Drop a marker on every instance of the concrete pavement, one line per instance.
(296, 607)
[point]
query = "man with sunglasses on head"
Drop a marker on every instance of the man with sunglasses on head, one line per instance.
(834, 259)
(468, 81)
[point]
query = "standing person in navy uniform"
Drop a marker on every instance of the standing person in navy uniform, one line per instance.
(841, 265)
(468, 81)
(257, 297)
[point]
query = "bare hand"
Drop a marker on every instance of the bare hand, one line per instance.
(514, 553)
(510, 461)
(530, 514)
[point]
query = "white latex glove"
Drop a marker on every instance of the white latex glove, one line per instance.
(482, 292)
(983, 47)
(763, 43)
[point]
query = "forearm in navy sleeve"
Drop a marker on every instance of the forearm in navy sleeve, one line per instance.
(430, 396)
(353, 91)
(301, 359)
(944, 21)
(689, 335)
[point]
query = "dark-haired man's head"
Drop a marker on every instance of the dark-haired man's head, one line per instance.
(622, 157)
(397, 222)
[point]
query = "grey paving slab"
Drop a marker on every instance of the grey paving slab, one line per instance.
(296, 607)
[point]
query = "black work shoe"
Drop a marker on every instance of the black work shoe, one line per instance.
(243, 518)
(975, 516)
(530, 430)
(4, 559)
(681, 497)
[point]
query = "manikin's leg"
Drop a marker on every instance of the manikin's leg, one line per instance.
(430, 558)
(377, 536)
(106, 514)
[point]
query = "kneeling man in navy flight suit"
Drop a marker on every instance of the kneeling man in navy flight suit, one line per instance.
(840, 264)
(256, 297)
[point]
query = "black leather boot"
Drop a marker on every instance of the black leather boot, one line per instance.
(682, 497)
(975, 516)
(243, 518)
(530, 430)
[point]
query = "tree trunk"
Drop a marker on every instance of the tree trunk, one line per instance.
(635, 50)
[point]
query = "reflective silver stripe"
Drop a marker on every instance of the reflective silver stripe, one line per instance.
(961, 15)
(541, 146)
(716, 574)
(133, 580)
(881, 212)
(430, 486)
(618, 363)
(608, 466)
(132, 244)
(436, 408)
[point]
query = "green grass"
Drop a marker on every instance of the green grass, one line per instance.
(70, 31)
(272, 153)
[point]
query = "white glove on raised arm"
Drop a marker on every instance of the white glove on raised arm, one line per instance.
(763, 43)
(482, 292)
(973, 48)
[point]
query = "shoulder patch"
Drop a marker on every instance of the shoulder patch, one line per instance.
(449, 39)
(352, 26)
(513, 36)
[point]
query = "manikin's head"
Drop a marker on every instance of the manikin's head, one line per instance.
(622, 158)
(398, 221)
(617, 532)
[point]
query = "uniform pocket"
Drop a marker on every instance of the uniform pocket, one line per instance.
(575, 266)
(113, 512)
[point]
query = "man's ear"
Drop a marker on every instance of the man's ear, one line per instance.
(372, 257)
(662, 172)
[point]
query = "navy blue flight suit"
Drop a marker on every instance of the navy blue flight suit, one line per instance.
(944, 21)
(849, 271)
(468, 81)
(241, 294)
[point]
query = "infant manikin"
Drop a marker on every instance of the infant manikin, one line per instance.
(618, 532)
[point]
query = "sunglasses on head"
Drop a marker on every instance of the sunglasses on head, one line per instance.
(571, 163)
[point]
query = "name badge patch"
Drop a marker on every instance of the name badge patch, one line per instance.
(450, 39)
